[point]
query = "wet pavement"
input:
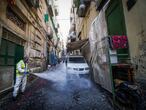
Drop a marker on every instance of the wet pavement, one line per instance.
(52, 91)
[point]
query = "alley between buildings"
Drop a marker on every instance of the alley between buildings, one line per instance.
(52, 91)
(109, 34)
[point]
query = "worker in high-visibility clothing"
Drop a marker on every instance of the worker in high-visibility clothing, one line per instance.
(21, 76)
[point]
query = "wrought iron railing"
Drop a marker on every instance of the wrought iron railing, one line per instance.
(33, 3)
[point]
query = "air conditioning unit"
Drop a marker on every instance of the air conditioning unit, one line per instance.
(81, 10)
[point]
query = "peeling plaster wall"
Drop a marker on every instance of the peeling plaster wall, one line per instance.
(6, 77)
(136, 31)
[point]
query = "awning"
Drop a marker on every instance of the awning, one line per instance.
(76, 45)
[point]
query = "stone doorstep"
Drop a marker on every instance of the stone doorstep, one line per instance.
(31, 79)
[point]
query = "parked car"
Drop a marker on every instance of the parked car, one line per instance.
(76, 65)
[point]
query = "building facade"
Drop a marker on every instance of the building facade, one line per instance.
(54, 40)
(101, 21)
(24, 31)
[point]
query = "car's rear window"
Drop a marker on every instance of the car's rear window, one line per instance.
(76, 60)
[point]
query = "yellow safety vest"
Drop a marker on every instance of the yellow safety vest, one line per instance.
(23, 66)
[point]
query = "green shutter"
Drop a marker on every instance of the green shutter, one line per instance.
(3, 52)
(116, 24)
(19, 53)
(46, 17)
(10, 53)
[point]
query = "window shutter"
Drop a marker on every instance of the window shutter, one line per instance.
(46, 17)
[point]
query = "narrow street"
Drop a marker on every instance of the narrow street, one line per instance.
(102, 40)
(52, 91)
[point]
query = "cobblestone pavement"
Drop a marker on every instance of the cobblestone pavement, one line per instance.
(52, 92)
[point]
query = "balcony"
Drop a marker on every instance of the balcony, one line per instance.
(50, 10)
(50, 36)
(56, 12)
(72, 36)
(56, 30)
(33, 3)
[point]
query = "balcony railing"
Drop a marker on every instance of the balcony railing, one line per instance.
(50, 33)
(33, 3)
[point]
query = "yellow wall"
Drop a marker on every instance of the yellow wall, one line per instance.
(87, 21)
(8, 23)
(83, 25)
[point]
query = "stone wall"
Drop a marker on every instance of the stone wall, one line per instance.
(135, 20)
(6, 77)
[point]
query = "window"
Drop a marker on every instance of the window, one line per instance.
(11, 15)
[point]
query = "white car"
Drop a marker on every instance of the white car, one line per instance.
(76, 65)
